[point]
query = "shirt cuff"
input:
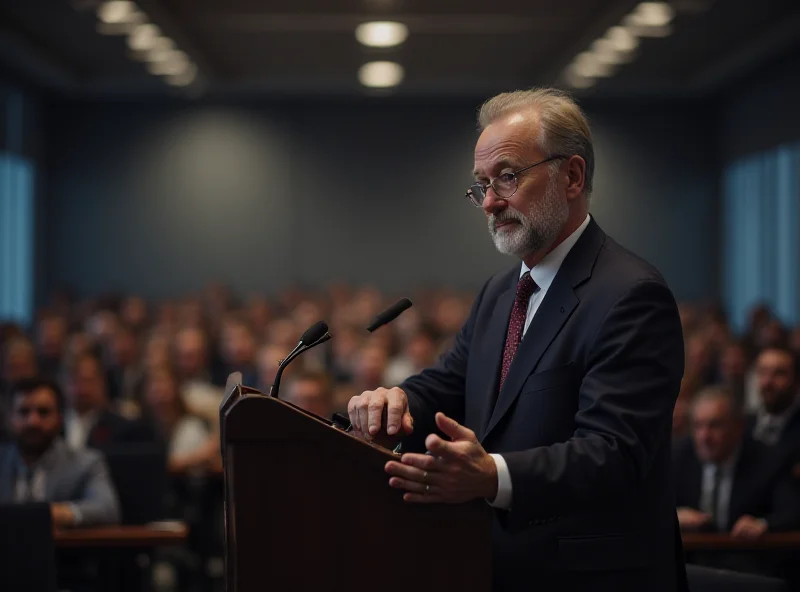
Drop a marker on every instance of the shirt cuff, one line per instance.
(502, 500)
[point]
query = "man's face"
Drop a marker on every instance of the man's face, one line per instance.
(87, 386)
(191, 349)
(715, 430)
(533, 217)
(775, 373)
(35, 421)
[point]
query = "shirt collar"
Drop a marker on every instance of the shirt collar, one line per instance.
(544, 272)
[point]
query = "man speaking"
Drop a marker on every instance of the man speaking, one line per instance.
(555, 402)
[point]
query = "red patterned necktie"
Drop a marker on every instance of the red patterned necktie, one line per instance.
(516, 325)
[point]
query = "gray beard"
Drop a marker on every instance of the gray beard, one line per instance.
(535, 231)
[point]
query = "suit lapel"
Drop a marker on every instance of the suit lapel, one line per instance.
(557, 306)
(491, 349)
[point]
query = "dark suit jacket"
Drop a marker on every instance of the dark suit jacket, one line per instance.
(111, 429)
(762, 487)
(787, 448)
(583, 421)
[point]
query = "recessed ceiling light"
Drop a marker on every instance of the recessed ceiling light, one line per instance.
(575, 80)
(621, 39)
(185, 78)
(162, 48)
(116, 11)
(144, 37)
(381, 74)
(651, 14)
(381, 33)
(174, 62)
(587, 64)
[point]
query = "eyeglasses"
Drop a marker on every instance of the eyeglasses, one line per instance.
(504, 186)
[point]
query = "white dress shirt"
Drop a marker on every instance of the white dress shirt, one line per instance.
(543, 273)
(78, 427)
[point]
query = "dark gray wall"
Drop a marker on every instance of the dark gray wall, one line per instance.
(761, 111)
(160, 199)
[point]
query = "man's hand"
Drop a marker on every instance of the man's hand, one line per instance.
(691, 519)
(454, 472)
(748, 527)
(367, 409)
(61, 515)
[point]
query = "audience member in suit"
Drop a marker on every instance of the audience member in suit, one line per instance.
(40, 467)
(51, 343)
(777, 422)
(89, 421)
(19, 363)
(727, 482)
(125, 375)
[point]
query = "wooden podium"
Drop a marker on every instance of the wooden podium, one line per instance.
(308, 506)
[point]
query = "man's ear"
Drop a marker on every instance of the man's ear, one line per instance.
(576, 176)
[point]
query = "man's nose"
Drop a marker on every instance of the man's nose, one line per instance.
(492, 203)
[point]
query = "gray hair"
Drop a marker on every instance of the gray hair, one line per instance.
(564, 127)
(719, 393)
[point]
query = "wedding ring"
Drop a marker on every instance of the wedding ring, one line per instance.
(427, 488)
(425, 476)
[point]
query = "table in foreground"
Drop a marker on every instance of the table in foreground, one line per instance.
(703, 541)
(146, 535)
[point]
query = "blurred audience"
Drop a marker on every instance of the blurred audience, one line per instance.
(89, 421)
(40, 467)
(189, 441)
(141, 373)
(728, 482)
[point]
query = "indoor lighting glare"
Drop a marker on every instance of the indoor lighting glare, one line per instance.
(622, 40)
(606, 52)
(173, 63)
(381, 74)
(185, 78)
(116, 11)
(575, 80)
(651, 14)
(381, 33)
(162, 49)
(588, 65)
(144, 37)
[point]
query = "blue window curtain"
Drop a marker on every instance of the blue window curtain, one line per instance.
(761, 213)
(16, 239)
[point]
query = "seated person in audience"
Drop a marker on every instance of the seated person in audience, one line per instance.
(40, 467)
(51, 343)
(125, 376)
(311, 391)
(238, 347)
(191, 354)
(89, 422)
(420, 352)
(190, 443)
(777, 422)
(19, 363)
(726, 482)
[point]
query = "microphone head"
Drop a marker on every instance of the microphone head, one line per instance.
(314, 333)
(390, 314)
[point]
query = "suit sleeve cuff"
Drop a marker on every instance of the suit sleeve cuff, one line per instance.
(502, 500)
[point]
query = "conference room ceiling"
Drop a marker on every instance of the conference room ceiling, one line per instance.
(276, 48)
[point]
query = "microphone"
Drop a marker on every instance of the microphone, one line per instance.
(315, 335)
(390, 314)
